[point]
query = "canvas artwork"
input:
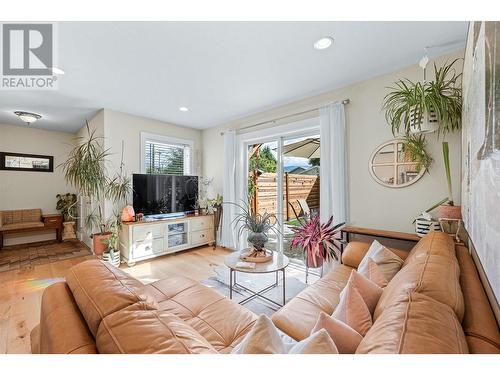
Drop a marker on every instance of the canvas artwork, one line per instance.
(481, 146)
(26, 162)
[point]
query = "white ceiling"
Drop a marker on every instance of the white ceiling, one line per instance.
(219, 70)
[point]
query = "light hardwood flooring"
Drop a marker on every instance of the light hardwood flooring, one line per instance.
(21, 290)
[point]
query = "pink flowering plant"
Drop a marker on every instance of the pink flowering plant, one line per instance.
(319, 242)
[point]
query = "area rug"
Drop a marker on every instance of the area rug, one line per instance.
(256, 282)
(28, 255)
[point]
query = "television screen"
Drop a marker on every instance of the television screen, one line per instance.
(164, 194)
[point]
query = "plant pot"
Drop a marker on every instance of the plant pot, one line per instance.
(314, 261)
(258, 240)
(424, 226)
(114, 259)
(69, 232)
(427, 124)
(98, 244)
(446, 211)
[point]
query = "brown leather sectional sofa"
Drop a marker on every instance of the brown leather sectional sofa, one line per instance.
(435, 304)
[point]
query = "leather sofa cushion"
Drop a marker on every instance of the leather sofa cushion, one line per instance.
(433, 243)
(415, 324)
(298, 317)
(62, 329)
(479, 324)
(100, 289)
(435, 276)
(355, 252)
(23, 225)
(137, 331)
(222, 322)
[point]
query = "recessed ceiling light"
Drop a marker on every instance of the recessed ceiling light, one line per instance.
(323, 43)
(57, 71)
(28, 117)
(183, 109)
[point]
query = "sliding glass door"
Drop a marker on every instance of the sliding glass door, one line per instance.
(282, 177)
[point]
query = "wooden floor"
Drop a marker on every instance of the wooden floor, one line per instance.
(21, 290)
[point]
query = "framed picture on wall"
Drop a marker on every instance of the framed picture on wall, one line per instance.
(10, 161)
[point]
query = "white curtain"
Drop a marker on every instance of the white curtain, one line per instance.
(228, 234)
(333, 181)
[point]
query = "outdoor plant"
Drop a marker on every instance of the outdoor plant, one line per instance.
(409, 102)
(316, 240)
(257, 226)
(415, 150)
(66, 204)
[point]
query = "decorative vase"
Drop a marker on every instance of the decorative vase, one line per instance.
(69, 232)
(98, 244)
(424, 225)
(447, 211)
(258, 240)
(128, 214)
(427, 124)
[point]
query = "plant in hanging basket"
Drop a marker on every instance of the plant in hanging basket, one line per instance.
(415, 107)
(316, 240)
(415, 151)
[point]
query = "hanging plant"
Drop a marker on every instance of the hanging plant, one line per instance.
(413, 107)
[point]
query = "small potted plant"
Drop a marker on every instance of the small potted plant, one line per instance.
(448, 210)
(112, 243)
(258, 227)
(66, 205)
(316, 240)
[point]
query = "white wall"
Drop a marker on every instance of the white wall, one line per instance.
(33, 189)
(370, 204)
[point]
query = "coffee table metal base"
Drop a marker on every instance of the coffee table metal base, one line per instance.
(254, 294)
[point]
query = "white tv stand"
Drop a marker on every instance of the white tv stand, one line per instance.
(152, 238)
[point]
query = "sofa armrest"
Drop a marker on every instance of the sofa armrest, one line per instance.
(354, 253)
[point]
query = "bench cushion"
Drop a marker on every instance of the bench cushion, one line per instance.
(23, 225)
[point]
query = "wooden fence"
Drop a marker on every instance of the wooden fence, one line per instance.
(295, 186)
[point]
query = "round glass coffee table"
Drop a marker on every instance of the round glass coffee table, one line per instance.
(277, 264)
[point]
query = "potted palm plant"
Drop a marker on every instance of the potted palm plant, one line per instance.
(85, 169)
(316, 240)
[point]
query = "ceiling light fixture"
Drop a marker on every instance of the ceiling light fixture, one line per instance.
(323, 43)
(28, 117)
(183, 109)
(57, 71)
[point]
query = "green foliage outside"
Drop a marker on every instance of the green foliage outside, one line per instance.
(265, 163)
(166, 162)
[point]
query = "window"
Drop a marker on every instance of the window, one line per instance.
(166, 155)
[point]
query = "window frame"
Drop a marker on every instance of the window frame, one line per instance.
(168, 140)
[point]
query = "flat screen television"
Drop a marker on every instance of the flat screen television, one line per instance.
(158, 194)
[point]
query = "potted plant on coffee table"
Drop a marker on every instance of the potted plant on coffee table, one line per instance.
(257, 226)
(112, 252)
(316, 240)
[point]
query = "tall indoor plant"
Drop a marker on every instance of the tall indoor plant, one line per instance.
(86, 170)
(316, 240)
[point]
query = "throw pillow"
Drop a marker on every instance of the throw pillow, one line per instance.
(372, 271)
(264, 338)
(370, 291)
(388, 262)
(352, 310)
(345, 338)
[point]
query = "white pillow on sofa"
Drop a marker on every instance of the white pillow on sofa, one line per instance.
(388, 263)
(264, 338)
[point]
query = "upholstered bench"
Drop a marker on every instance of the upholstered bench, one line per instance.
(18, 221)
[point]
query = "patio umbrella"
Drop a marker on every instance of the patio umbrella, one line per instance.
(307, 148)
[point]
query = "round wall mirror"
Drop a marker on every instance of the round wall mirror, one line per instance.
(392, 166)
